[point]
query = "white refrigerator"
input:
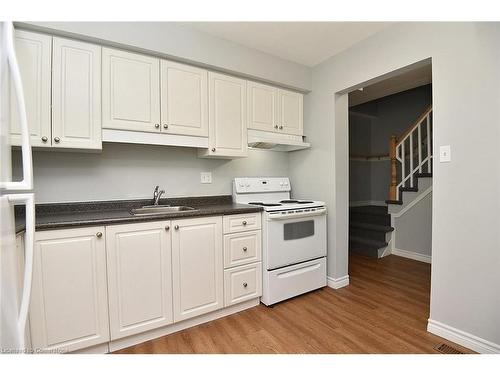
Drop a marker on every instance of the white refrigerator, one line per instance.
(16, 262)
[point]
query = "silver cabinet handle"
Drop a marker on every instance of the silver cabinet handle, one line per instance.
(57, 139)
(176, 227)
(213, 149)
(98, 234)
(244, 223)
(167, 227)
(281, 127)
(245, 285)
(44, 139)
(165, 126)
(245, 248)
(157, 126)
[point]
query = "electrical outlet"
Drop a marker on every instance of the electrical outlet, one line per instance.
(206, 177)
(445, 154)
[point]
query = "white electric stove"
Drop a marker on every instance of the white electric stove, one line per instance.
(294, 237)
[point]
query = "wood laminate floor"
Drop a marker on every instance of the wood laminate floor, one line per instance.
(383, 310)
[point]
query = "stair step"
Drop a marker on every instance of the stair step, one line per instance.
(414, 189)
(373, 227)
(370, 215)
(367, 242)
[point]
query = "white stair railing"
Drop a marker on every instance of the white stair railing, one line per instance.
(405, 146)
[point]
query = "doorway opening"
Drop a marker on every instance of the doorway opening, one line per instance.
(390, 174)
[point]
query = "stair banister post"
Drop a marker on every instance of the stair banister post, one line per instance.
(394, 177)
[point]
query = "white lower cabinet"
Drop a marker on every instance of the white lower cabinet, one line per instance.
(139, 277)
(69, 300)
(100, 284)
(197, 268)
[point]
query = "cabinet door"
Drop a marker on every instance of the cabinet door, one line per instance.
(184, 99)
(33, 53)
(76, 94)
(262, 107)
(227, 116)
(291, 112)
(130, 91)
(69, 305)
(197, 267)
(139, 277)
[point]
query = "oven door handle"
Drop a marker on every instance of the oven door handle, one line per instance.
(280, 216)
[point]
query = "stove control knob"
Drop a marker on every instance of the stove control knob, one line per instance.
(281, 183)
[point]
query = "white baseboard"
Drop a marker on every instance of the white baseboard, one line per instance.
(367, 203)
(462, 338)
(337, 283)
(411, 255)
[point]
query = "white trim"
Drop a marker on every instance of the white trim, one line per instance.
(97, 349)
(411, 255)
(337, 283)
(167, 330)
(162, 139)
(367, 203)
(462, 338)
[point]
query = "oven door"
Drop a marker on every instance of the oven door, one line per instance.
(294, 238)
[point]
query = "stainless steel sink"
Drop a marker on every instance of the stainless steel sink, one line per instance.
(159, 210)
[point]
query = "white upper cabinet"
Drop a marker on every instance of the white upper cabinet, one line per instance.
(33, 52)
(291, 112)
(76, 94)
(69, 302)
(184, 102)
(262, 107)
(139, 277)
(130, 91)
(197, 266)
(227, 117)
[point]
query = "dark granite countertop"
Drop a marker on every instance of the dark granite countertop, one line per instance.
(77, 214)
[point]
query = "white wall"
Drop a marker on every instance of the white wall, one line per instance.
(131, 171)
(466, 212)
(185, 44)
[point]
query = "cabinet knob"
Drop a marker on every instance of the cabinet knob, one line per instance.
(157, 126)
(245, 248)
(44, 139)
(165, 126)
(276, 126)
(244, 223)
(98, 234)
(57, 139)
(213, 149)
(281, 127)
(167, 227)
(176, 227)
(245, 285)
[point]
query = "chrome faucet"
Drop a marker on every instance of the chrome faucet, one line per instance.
(157, 193)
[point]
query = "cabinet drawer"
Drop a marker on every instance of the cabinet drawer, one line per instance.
(242, 283)
(242, 248)
(241, 223)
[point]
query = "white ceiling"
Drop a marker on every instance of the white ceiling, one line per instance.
(306, 43)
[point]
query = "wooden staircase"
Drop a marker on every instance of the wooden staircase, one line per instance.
(410, 155)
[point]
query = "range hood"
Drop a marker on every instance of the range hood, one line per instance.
(275, 141)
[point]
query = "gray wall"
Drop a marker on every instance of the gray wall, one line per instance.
(465, 253)
(131, 171)
(414, 228)
(390, 115)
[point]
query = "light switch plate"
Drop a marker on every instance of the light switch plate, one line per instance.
(445, 154)
(206, 177)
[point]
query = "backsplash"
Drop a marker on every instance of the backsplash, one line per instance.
(125, 171)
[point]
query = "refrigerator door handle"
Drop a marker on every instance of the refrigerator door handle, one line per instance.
(29, 243)
(27, 182)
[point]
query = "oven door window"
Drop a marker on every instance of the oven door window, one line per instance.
(301, 229)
